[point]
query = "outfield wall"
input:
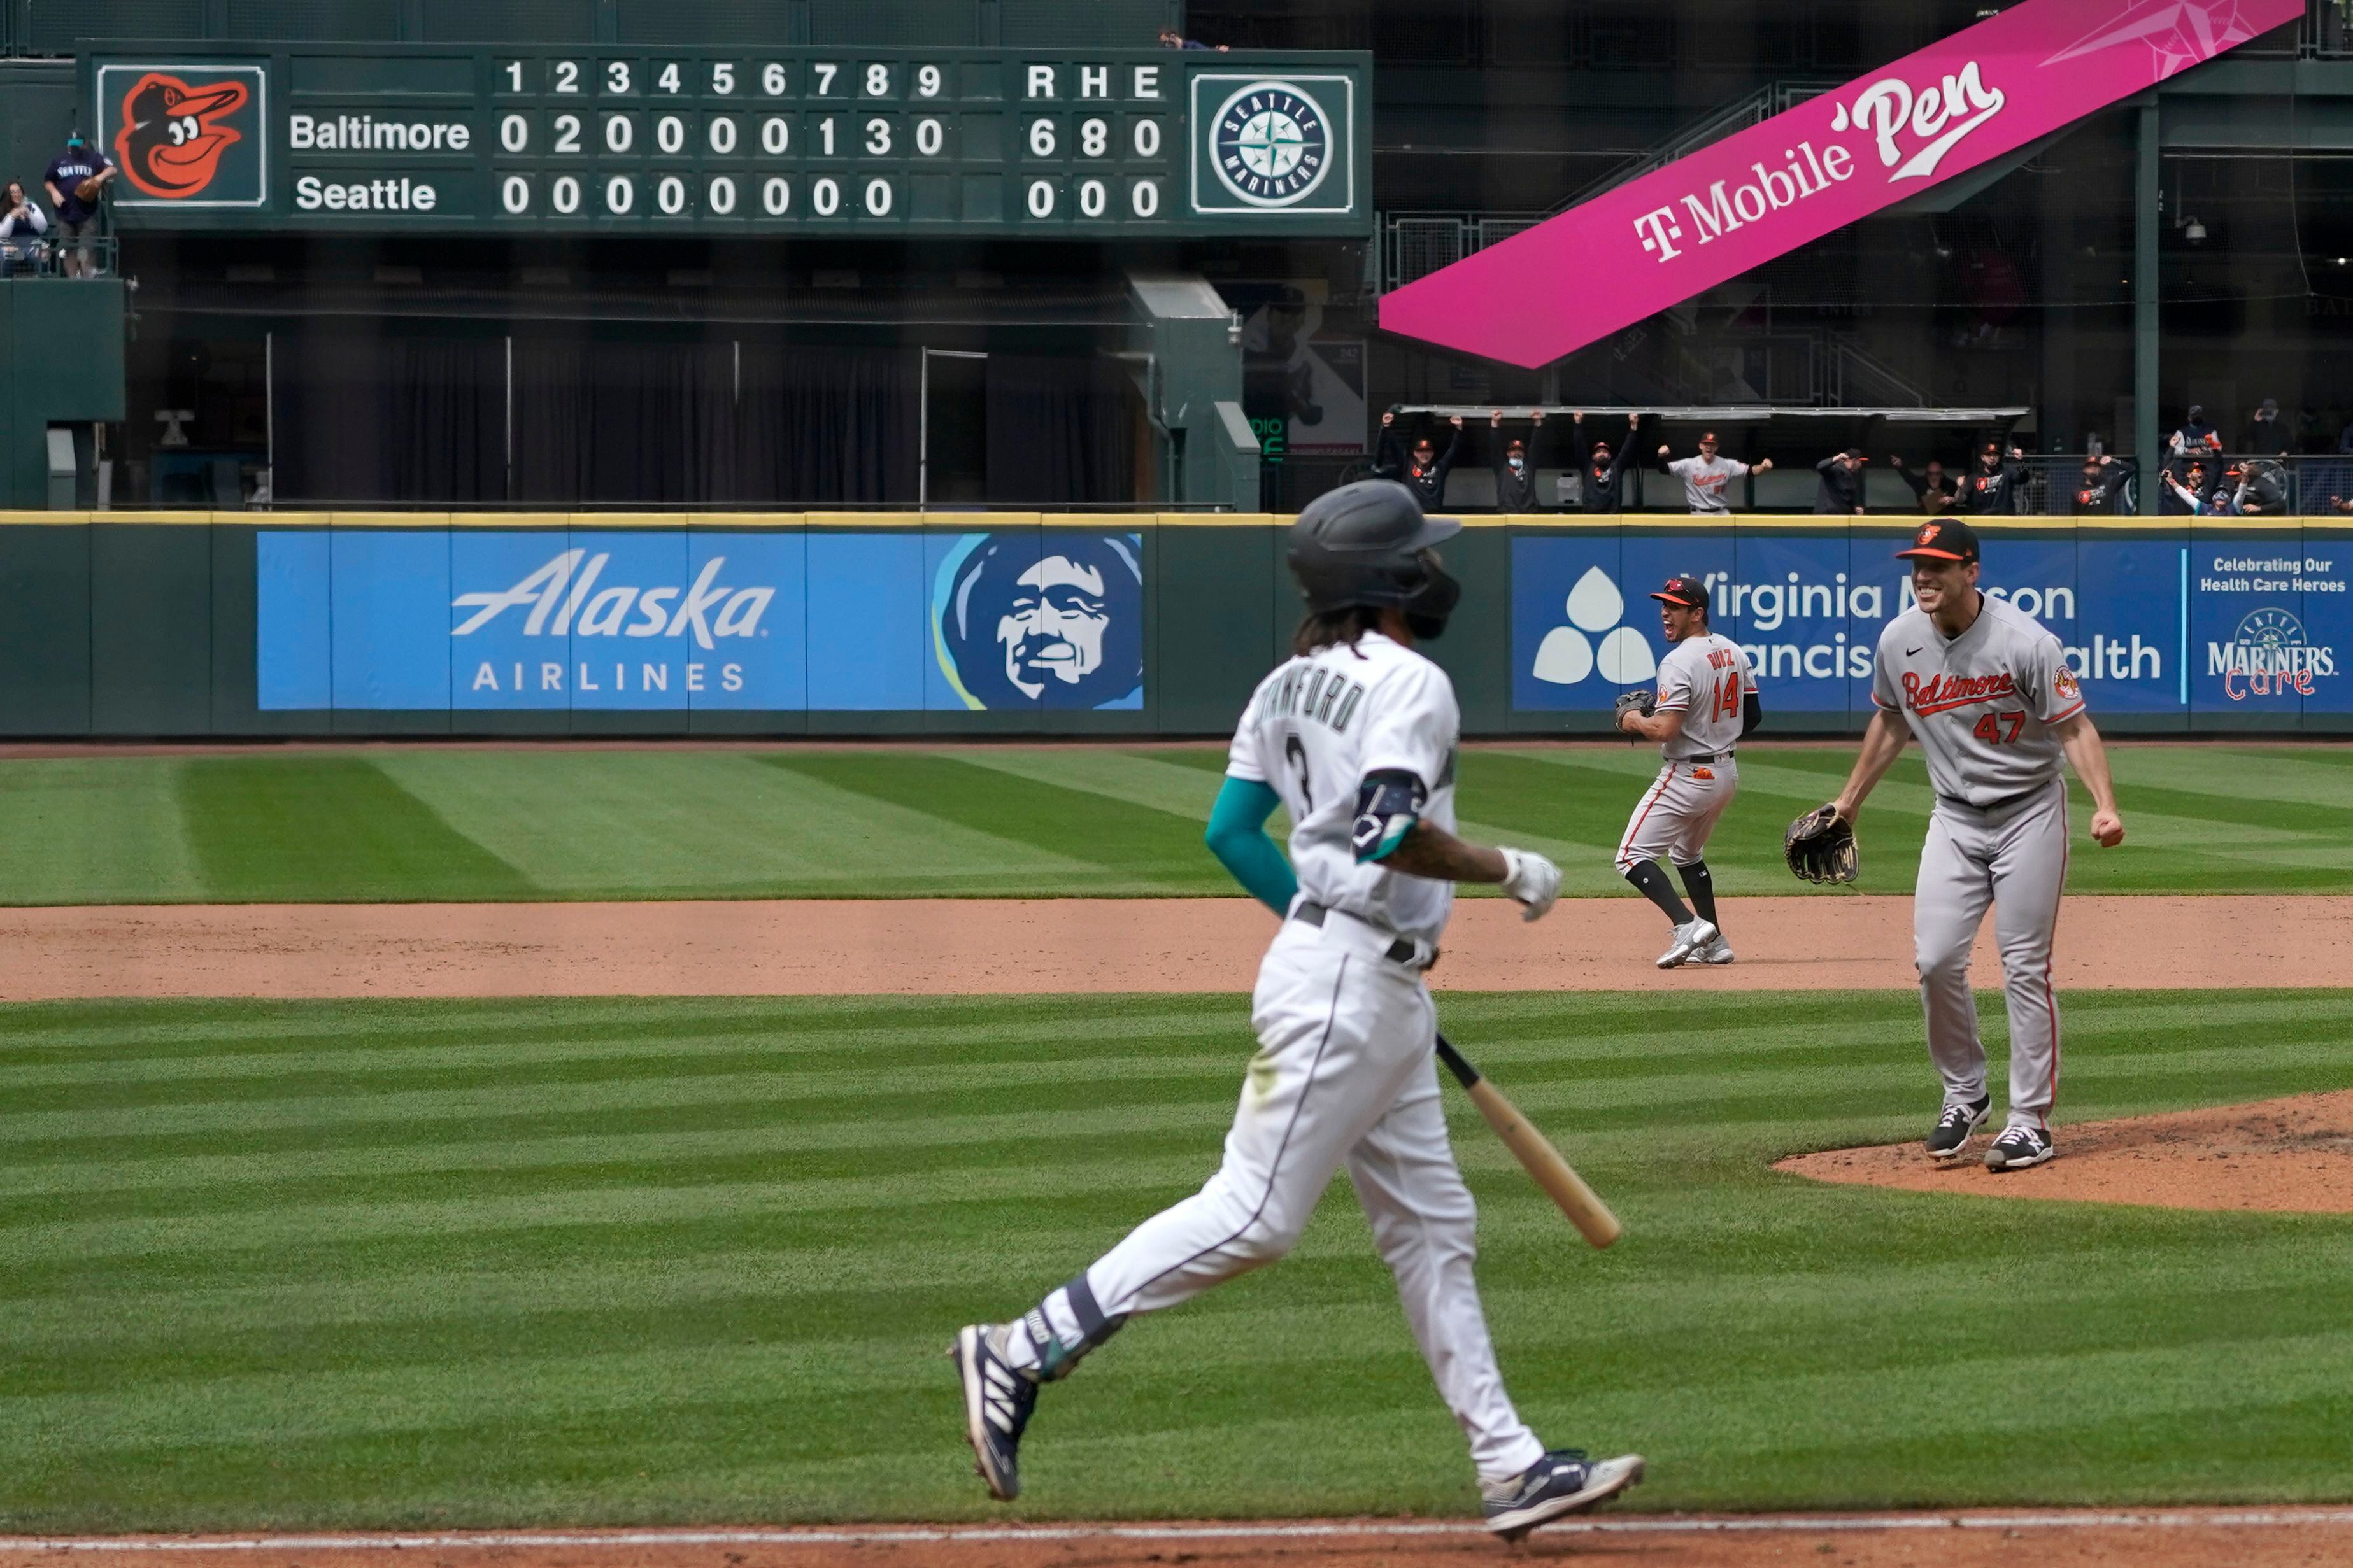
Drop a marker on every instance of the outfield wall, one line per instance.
(1004, 623)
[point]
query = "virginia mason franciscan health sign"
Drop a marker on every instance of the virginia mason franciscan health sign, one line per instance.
(1678, 231)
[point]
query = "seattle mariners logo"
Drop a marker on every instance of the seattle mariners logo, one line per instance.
(2267, 655)
(1270, 143)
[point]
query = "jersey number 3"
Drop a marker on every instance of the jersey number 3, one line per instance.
(1298, 756)
(1989, 728)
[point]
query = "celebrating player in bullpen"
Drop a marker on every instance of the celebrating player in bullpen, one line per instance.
(1988, 692)
(1356, 738)
(1706, 700)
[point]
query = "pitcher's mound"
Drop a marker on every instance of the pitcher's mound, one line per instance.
(2292, 1155)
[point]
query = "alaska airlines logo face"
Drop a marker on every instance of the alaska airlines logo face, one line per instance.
(1915, 128)
(172, 134)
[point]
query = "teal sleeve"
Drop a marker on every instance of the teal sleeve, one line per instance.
(1237, 836)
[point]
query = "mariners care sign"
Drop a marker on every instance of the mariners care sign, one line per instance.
(1659, 240)
(398, 138)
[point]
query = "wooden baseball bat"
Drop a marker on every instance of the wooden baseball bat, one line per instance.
(1534, 1152)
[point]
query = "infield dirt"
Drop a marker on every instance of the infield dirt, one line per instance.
(999, 946)
(2284, 1538)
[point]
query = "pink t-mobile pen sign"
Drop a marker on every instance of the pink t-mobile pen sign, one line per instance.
(1659, 240)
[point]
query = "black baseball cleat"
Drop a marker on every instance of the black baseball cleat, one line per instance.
(2020, 1147)
(998, 1401)
(1951, 1134)
(1563, 1482)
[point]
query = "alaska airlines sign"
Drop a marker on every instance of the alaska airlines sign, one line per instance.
(1678, 231)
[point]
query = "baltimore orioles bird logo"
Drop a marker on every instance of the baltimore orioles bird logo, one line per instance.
(171, 141)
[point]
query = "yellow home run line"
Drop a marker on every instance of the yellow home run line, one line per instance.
(1763, 1523)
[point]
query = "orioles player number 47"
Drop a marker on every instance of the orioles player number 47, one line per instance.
(1987, 693)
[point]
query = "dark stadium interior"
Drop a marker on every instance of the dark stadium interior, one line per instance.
(756, 370)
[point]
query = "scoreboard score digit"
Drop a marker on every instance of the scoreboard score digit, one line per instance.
(802, 140)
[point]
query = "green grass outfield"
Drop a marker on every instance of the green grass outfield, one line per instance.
(425, 823)
(401, 1264)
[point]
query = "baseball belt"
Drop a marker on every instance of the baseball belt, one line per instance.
(2004, 803)
(1400, 950)
(1708, 757)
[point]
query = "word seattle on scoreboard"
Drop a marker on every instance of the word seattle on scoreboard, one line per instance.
(946, 140)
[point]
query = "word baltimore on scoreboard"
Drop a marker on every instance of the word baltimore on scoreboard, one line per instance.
(949, 141)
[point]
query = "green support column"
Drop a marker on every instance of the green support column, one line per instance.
(2147, 190)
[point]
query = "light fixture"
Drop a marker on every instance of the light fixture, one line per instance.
(2193, 231)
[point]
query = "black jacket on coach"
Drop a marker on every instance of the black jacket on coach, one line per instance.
(1996, 489)
(2102, 492)
(1428, 484)
(1515, 489)
(1840, 490)
(1602, 489)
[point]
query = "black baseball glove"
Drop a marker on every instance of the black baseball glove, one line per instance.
(1820, 846)
(1642, 701)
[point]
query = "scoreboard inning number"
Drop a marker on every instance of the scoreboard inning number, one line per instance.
(738, 139)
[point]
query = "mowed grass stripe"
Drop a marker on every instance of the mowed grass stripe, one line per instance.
(620, 1333)
(417, 824)
(282, 829)
(92, 830)
(1142, 848)
(664, 824)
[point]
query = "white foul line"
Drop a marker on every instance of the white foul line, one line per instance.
(887, 1534)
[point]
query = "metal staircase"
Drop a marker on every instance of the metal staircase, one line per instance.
(1755, 109)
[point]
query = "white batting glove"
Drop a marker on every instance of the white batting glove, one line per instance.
(1531, 879)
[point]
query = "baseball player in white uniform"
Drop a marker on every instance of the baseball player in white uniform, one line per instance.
(1706, 700)
(1996, 708)
(1356, 738)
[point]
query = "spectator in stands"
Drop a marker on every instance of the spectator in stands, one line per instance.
(2186, 473)
(1840, 492)
(2256, 488)
(2339, 504)
(2183, 498)
(1934, 488)
(1602, 471)
(22, 224)
(1707, 477)
(2100, 491)
(1516, 466)
(2265, 434)
(1170, 38)
(1424, 473)
(1998, 481)
(2195, 432)
(77, 218)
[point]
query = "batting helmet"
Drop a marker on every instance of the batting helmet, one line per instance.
(1369, 544)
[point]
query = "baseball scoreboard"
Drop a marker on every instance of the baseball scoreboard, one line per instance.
(864, 141)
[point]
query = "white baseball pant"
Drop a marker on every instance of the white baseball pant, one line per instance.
(1344, 1074)
(1677, 812)
(2015, 858)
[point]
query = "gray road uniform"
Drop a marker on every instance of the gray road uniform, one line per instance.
(1705, 482)
(1981, 706)
(1705, 679)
